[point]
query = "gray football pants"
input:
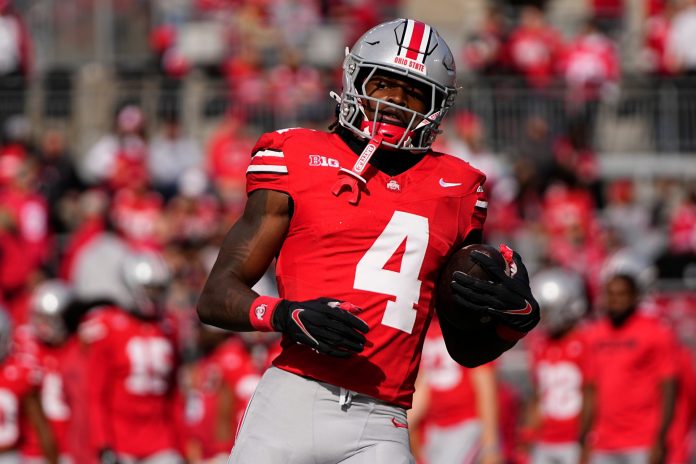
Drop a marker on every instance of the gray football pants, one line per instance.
(460, 443)
(629, 456)
(162, 457)
(563, 453)
(294, 420)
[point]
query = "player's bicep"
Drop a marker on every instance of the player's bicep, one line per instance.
(246, 252)
(256, 238)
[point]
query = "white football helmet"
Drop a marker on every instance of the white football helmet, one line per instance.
(47, 306)
(405, 48)
(561, 297)
(146, 276)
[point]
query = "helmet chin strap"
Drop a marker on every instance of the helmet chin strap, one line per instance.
(348, 178)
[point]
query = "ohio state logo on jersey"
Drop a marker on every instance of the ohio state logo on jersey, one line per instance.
(393, 186)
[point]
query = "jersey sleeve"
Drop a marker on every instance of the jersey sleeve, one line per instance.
(475, 204)
(268, 168)
(480, 208)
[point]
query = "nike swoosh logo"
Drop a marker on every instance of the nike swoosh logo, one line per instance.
(448, 184)
(296, 318)
(399, 425)
(524, 311)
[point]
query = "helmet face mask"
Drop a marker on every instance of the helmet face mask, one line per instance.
(403, 49)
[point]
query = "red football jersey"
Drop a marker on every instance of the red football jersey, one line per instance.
(17, 379)
(131, 363)
(627, 364)
(53, 362)
(559, 368)
(382, 255)
(452, 397)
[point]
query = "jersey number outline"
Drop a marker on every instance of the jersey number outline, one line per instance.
(404, 285)
(151, 363)
(9, 420)
(53, 397)
(560, 387)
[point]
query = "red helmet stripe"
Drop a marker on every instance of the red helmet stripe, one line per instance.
(414, 45)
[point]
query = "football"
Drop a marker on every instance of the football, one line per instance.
(461, 261)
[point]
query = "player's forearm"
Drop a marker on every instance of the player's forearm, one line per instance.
(486, 388)
(669, 394)
(474, 347)
(225, 302)
(47, 442)
(586, 413)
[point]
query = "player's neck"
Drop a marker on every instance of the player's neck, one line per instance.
(390, 162)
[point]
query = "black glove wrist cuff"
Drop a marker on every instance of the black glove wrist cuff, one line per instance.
(508, 334)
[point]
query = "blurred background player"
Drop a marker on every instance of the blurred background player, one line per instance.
(209, 408)
(217, 387)
(131, 359)
(51, 340)
(558, 367)
(455, 409)
(20, 407)
(630, 392)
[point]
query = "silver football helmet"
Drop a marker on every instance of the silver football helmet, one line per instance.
(5, 333)
(47, 306)
(561, 296)
(146, 276)
(405, 48)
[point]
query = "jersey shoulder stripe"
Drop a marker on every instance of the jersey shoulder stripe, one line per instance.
(268, 161)
(268, 168)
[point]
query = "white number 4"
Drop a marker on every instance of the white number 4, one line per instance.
(370, 274)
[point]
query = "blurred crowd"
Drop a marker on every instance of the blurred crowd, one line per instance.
(146, 187)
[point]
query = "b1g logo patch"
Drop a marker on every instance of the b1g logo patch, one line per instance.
(319, 160)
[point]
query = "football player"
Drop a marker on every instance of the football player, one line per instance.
(20, 403)
(51, 342)
(559, 367)
(361, 220)
(630, 392)
(131, 359)
(455, 409)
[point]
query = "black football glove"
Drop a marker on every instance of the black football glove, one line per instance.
(324, 324)
(507, 300)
